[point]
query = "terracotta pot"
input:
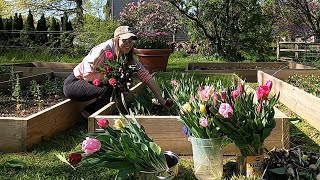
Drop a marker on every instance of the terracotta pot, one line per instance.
(154, 59)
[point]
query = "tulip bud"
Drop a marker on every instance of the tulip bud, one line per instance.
(223, 96)
(269, 84)
(203, 108)
(240, 88)
(74, 158)
(259, 108)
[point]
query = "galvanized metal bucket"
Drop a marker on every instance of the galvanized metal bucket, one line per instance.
(172, 160)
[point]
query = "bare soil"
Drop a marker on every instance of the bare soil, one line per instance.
(28, 106)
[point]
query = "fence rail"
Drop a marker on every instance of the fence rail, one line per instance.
(299, 49)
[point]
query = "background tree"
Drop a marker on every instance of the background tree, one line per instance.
(42, 37)
(2, 37)
(153, 16)
(235, 29)
(299, 17)
(29, 29)
(55, 8)
(67, 35)
(54, 39)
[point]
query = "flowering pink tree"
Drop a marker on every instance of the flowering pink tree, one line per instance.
(150, 17)
(299, 17)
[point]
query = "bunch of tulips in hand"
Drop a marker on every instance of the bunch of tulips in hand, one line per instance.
(116, 74)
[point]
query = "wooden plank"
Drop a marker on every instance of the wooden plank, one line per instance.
(13, 133)
(25, 81)
(55, 65)
(30, 71)
(248, 75)
(166, 131)
(302, 103)
(57, 118)
(284, 74)
(7, 76)
(111, 107)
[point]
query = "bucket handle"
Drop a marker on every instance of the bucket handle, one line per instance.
(169, 177)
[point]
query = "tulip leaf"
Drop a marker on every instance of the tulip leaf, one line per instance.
(15, 164)
(155, 148)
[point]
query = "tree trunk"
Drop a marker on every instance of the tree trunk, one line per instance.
(79, 13)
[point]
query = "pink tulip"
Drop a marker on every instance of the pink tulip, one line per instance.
(206, 93)
(269, 84)
(112, 81)
(107, 70)
(223, 96)
(226, 110)
(235, 93)
(91, 145)
(259, 108)
(109, 55)
(174, 82)
(191, 98)
(240, 88)
(96, 82)
(203, 122)
(262, 92)
(103, 123)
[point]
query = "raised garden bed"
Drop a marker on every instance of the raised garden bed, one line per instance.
(35, 68)
(297, 100)
(167, 131)
(19, 133)
(247, 71)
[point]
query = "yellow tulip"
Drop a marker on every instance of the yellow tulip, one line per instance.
(187, 107)
(118, 124)
(203, 108)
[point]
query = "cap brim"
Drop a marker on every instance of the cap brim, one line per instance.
(127, 36)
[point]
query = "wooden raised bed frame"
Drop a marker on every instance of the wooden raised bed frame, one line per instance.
(250, 75)
(297, 100)
(167, 131)
(35, 68)
(20, 133)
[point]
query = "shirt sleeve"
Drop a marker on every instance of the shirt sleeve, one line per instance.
(87, 69)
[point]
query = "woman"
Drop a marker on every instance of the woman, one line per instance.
(78, 85)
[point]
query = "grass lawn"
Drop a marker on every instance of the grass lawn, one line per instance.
(41, 162)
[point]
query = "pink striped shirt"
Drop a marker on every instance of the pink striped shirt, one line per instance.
(87, 69)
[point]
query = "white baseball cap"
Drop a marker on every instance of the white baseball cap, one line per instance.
(124, 32)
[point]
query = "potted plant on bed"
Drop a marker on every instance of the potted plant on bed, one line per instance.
(152, 21)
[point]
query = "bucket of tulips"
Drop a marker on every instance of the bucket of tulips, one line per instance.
(247, 118)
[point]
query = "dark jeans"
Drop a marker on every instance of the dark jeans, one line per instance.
(81, 90)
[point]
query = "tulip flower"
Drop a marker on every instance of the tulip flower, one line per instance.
(226, 110)
(203, 108)
(112, 81)
(118, 124)
(174, 82)
(235, 93)
(96, 82)
(262, 92)
(203, 122)
(74, 158)
(91, 145)
(187, 107)
(103, 123)
(269, 84)
(109, 55)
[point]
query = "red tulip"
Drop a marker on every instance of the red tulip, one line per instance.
(74, 158)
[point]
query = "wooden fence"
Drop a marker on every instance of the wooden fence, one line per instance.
(298, 50)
